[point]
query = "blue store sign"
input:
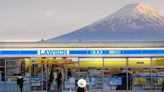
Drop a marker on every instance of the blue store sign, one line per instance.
(81, 51)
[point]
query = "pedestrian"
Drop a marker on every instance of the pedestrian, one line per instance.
(81, 85)
(50, 79)
(69, 73)
(54, 82)
(20, 82)
(59, 79)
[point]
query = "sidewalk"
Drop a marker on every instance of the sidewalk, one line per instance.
(118, 91)
(13, 87)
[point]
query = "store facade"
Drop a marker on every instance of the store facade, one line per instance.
(105, 66)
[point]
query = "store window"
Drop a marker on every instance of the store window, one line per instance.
(73, 63)
(91, 71)
(114, 62)
(158, 61)
(158, 77)
(13, 68)
(91, 62)
(139, 62)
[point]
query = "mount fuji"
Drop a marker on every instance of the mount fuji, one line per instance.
(134, 22)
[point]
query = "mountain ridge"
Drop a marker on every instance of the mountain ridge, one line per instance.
(136, 22)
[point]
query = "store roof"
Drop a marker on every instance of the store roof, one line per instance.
(82, 45)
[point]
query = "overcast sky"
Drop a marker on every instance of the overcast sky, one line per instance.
(32, 20)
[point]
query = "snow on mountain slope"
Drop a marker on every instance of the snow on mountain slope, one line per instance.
(134, 22)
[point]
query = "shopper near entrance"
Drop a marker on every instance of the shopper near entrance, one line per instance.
(59, 79)
(20, 82)
(54, 82)
(81, 85)
(69, 73)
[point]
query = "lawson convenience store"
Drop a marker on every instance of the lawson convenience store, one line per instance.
(105, 66)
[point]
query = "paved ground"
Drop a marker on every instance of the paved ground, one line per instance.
(119, 91)
(13, 87)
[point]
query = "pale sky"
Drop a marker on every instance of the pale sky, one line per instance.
(32, 20)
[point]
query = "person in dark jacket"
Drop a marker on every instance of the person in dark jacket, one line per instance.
(59, 79)
(69, 73)
(20, 82)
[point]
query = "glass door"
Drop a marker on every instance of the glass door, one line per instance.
(38, 74)
(55, 74)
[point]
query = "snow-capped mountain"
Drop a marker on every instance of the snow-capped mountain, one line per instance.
(134, 22)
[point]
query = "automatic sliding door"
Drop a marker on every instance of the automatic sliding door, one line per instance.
(38, 75)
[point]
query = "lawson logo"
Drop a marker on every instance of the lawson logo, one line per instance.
(52, 52)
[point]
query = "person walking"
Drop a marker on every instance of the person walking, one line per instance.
(50, 79)
(20, 82)
(81, 85)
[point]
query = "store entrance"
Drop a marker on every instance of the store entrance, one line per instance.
(53, 74)
(47, 74)
(38, 76)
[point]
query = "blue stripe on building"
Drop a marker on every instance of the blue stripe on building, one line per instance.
(78, 52)
(150, 51)
(29, 52)
(132, 52)
(12, 52)
(85, 52)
